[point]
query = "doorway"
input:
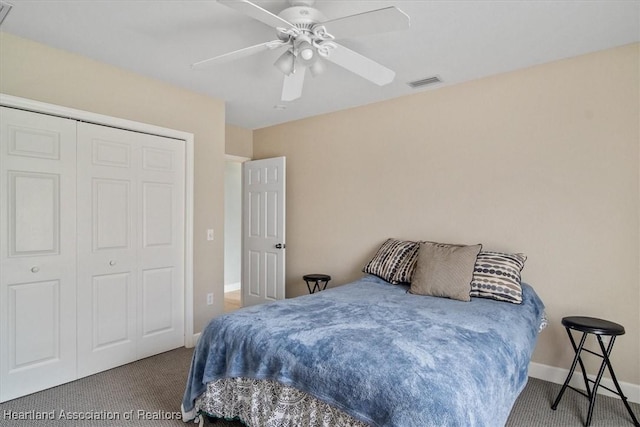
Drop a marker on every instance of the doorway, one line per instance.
(233, 233)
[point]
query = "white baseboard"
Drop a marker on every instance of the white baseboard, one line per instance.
(194, 340)
(558, 375)
(232, 287)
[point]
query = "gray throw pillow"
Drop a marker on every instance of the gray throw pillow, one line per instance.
(444, 270)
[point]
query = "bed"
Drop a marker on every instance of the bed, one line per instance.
(368, 353)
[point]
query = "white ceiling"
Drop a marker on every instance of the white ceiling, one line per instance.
(456, 40)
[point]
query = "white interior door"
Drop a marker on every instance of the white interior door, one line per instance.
(37, 252)
(161, 245)
(107, 241)
(130, 246)
(263, 263)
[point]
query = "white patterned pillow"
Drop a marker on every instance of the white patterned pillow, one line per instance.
(394, 261)
(496, 275)
(407, 265)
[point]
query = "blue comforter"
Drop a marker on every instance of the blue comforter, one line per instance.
(380, 354)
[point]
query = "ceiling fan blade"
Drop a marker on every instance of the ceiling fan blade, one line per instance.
(372, 22)
(257, 13)
(292, 87)
(361, 65)
(241, 53)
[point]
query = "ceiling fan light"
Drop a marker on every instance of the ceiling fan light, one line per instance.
(307, 54)
(317, 68)
(306, 51)
(285, 63)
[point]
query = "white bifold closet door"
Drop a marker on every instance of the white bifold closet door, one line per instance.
(37, 252)
(92, 249)
(130, 246)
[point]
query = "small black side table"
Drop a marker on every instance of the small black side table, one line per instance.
(600, 328)
(317, 280)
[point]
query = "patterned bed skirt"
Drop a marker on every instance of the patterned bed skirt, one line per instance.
(268, 403)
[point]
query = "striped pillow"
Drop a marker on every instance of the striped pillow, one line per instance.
(496, 275)
(394, 261)
(407, 265)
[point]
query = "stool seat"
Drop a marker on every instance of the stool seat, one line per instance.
(316, 279)
(592, 325)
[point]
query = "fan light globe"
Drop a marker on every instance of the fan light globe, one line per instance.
(307, 54)
(317, 68)
(305, 51)
(285, 63)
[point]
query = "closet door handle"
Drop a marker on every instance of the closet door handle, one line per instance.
(35, 269)
(112, 263)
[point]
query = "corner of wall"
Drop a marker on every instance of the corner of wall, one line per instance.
(238, 141)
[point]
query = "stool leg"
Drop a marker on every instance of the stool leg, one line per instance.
(596, 384)
(308, 287)
(607, 361)
(316, 286)
(582, 368)
(573, 366)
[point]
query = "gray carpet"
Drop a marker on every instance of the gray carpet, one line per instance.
(152, 388)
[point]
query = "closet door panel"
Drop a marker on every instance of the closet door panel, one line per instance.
(131, 246)
(161, 294)
(33, 213)
(157, 300)
(41, 298)
(107, 254)
(37, 252)
(111, 310)
(111, 214)
(157, 230)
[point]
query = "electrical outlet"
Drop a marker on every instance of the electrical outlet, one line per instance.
(209, 299)
(210, 234)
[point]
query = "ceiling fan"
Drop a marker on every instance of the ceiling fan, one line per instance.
(309, 39)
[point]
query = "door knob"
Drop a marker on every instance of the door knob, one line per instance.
(34, 269)
(280, 246)
(112, 263)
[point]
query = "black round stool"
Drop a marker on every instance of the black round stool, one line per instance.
(317, 279)
(600, 328)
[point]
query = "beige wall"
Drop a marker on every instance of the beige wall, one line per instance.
(544, 161)
(238, 141)
(35, 71)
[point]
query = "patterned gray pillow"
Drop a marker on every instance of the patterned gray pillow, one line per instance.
(496, 275)
(394, 260)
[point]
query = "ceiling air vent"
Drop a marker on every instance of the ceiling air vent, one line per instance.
(424, 82)
(4, 10)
